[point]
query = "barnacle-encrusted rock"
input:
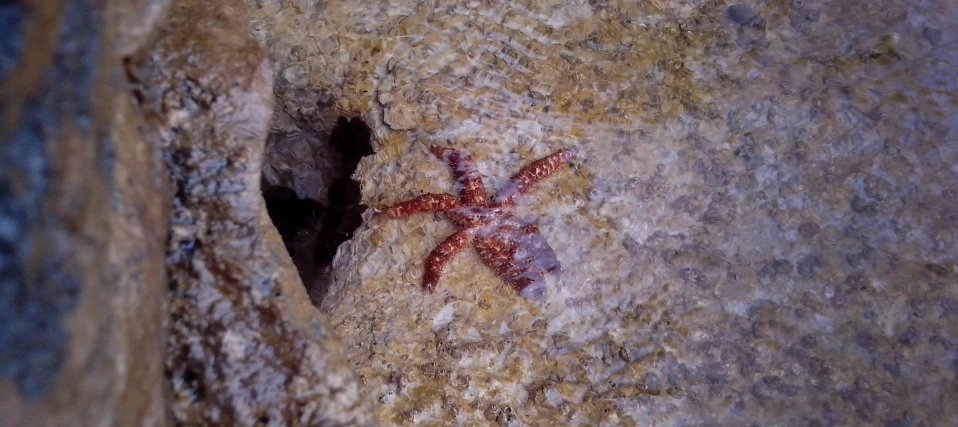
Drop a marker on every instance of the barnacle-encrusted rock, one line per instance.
(246, 346)
(763, 229)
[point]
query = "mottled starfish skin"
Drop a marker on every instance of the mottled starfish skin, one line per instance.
(514, 249)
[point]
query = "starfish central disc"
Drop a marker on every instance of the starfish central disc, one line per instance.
(514, 249)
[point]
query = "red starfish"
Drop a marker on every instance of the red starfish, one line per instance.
(513, 248)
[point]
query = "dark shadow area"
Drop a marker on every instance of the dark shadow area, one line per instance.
(291, 215)
(312, 232)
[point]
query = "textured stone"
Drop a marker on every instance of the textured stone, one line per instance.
(135, 21)
(246, 346)
(82, 226)
(762, 230)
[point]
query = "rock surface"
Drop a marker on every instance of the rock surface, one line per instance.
(82, 224)
(139, 224)
(136, 21)
(246, 346)
(763, 228)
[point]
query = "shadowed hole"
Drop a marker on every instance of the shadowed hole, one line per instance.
(312, 231)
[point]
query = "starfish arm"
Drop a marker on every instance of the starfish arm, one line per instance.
(466, 175)
(424, 203)
(530, 175)
(518, 253)
(442, 254)
(497, 251)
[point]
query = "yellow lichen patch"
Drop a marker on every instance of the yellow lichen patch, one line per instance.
(376, 237)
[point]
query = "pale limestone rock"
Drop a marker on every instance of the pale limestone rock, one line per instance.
(762, 229)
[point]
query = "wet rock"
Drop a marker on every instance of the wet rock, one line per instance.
(245, 346)
(82, 221)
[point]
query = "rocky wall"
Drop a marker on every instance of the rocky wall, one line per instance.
(246, 346)
(83, 202)
(760, 229)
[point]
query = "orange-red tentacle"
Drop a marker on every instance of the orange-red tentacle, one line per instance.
(530, 175)
(424, 203)
(472, 192)
(441, 255)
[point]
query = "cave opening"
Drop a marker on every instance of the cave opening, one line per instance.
(311, 230)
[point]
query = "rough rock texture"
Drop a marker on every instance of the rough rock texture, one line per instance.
(82, 224)
(763, 228)
(136, 21)
(245, 346)
(315, 224)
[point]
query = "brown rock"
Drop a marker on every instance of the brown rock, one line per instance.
(135, 23)
(246, 345)
(806, 277)
(81, 227)
(139, 225)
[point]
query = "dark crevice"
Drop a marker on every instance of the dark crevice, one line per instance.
(311, 231)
